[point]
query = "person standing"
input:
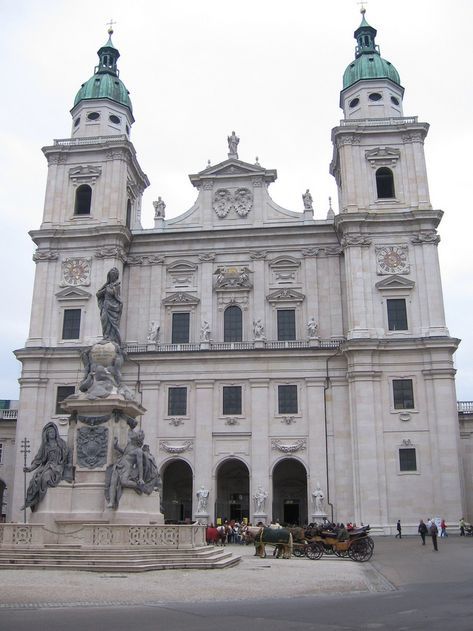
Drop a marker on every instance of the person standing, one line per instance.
(399, 529)
(422, 530)
(462, 527)
(434, 531)
(443, 529)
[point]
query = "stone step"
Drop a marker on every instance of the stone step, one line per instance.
(103, 553)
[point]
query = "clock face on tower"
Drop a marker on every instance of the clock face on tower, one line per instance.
(392, 259)
(76, 272)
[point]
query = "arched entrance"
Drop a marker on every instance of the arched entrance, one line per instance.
(3, 502)
(233, 491)
(290, 492)
(177, 491)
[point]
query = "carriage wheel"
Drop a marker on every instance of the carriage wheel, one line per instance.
(298, 551)
(370, 542)
(360, 551)
(314, 551)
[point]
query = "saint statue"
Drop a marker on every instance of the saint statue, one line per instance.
(258, 329)
(202, 499)
(318, 499)
(153, 332)
(110, 306)
(260, 499)
(307, 199)
(51, 464)
(159, 209)
(233, 141)
(205, 331)
(312, 328)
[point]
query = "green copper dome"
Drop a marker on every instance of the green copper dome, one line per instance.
(105, 82)
(368, 63)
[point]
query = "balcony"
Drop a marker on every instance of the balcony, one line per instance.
(465, 407)
(379, 122)
(90, 140)
(8, 415)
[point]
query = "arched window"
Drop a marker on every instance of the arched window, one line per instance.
(385, 183)
(83, 200)
(232, 325)
(128, 214)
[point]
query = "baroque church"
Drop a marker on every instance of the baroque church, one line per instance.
(290, 367)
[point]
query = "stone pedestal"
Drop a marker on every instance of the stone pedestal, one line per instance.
(260, 517)
(93, 427)
(202, 518)
(318, 517)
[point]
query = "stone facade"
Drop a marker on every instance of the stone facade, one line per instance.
(8, 416)
(270, 348)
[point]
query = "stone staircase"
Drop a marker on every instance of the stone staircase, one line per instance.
(80, 558)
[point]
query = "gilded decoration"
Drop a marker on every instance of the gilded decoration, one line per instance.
(392, 259)
(75, 271)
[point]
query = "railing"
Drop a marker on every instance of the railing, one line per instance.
(465, 407)
(90, 140)
(233, 346)
(9, 415)
(378, 122)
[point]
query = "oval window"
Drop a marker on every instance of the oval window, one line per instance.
(114, 119)
(92, 116)
(354, 102)
(395, 100)
(77, 121)
(375, 96)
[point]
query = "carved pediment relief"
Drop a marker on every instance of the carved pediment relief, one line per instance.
(181, 298)
(232, 277)
(73, 293)
(395, 282)
(181, 266)
(285, 295)
(232, 169)
(85, 174)
(382, 157)
(181, 274)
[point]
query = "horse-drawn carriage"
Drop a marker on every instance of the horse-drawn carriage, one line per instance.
(358, 546)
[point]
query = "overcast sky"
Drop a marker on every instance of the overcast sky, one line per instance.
(269, 69)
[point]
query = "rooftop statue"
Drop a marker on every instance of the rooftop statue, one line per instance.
(233, 141)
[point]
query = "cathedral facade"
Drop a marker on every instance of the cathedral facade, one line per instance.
(290, 367)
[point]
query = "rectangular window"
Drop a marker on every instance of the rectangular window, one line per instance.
(177, 401)
(403, 394)
(180, 328)
(407, 459)
(62, 393)
(71, 324)
(287, 400)
(397, 314)
(232, 399)
(286, 324)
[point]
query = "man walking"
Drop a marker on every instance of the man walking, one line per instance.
(398, 528)
(462, 527)
(434, 531)
(422, 530)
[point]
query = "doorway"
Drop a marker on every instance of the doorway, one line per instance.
(176, 501)
(290, 492)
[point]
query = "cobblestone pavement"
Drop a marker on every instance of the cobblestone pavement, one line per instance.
(252, 578)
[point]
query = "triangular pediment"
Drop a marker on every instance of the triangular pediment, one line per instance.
(395, 282)
(73, 293)
(233, 169)
(285, 295)
(181, 298)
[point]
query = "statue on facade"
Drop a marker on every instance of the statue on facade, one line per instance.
(135, 469)
(51, 464)
(258, 330)
(307, 199)
(205, 332)
(159, 209)
(153, 332)
(260, 499)
(202, 499)
(111, 306)
(312, 328)
(233, 141)
(318, 499)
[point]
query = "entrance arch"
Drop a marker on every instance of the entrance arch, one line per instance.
(290, 492)
(177, 491)
(233, 491)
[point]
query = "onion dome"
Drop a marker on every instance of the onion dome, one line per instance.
(105, 82)
(368, 63)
